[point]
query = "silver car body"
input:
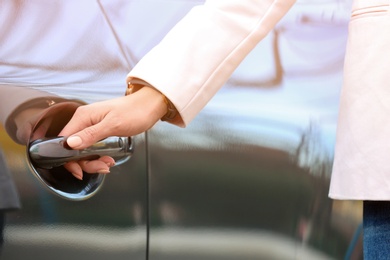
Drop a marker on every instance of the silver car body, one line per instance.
(247, 179)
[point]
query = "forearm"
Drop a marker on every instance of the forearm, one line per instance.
(200, 53)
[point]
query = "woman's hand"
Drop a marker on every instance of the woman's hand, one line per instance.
(36, 123)
(124, 116)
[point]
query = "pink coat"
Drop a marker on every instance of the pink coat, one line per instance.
(201, 52)
(196, 58)
(361, 168)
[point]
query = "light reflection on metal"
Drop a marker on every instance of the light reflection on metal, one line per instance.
(47, 157)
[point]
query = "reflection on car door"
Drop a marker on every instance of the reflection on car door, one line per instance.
(70, 49)
(247, 179)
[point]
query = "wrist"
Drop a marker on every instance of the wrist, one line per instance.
(169, 109)
(154, 101)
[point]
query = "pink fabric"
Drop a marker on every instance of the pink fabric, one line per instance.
(201, 52)
(361, 167)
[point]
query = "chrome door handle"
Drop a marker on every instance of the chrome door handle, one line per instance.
(48, 153)
(47, 156)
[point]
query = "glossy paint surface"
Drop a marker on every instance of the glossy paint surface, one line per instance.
(110, 225)
(247, 179)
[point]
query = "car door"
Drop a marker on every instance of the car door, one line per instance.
(69, 49)
(77, 52)
(247, 179)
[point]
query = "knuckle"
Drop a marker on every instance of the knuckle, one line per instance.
(80, 109)
(114, 122)
(91, 132)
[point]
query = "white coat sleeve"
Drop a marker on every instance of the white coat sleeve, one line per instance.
(199, 54)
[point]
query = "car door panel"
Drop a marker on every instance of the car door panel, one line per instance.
(111, 224)
(247, 179)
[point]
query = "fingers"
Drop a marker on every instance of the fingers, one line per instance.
(101, 165)
(75, 169)
(123, 116)
(109, 161)
(78, 122)
(95, 166)
(87, 137)
(86, 127)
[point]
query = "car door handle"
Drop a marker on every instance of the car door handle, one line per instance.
(48, 153)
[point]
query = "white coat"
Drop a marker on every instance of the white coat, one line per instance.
(361, 168)
(200, 53)
(196, 58)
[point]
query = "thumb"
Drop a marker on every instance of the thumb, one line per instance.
(86, 137)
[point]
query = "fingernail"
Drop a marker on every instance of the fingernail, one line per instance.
(74, 141)
(103, 171)
(111, 164)
(78, 176)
